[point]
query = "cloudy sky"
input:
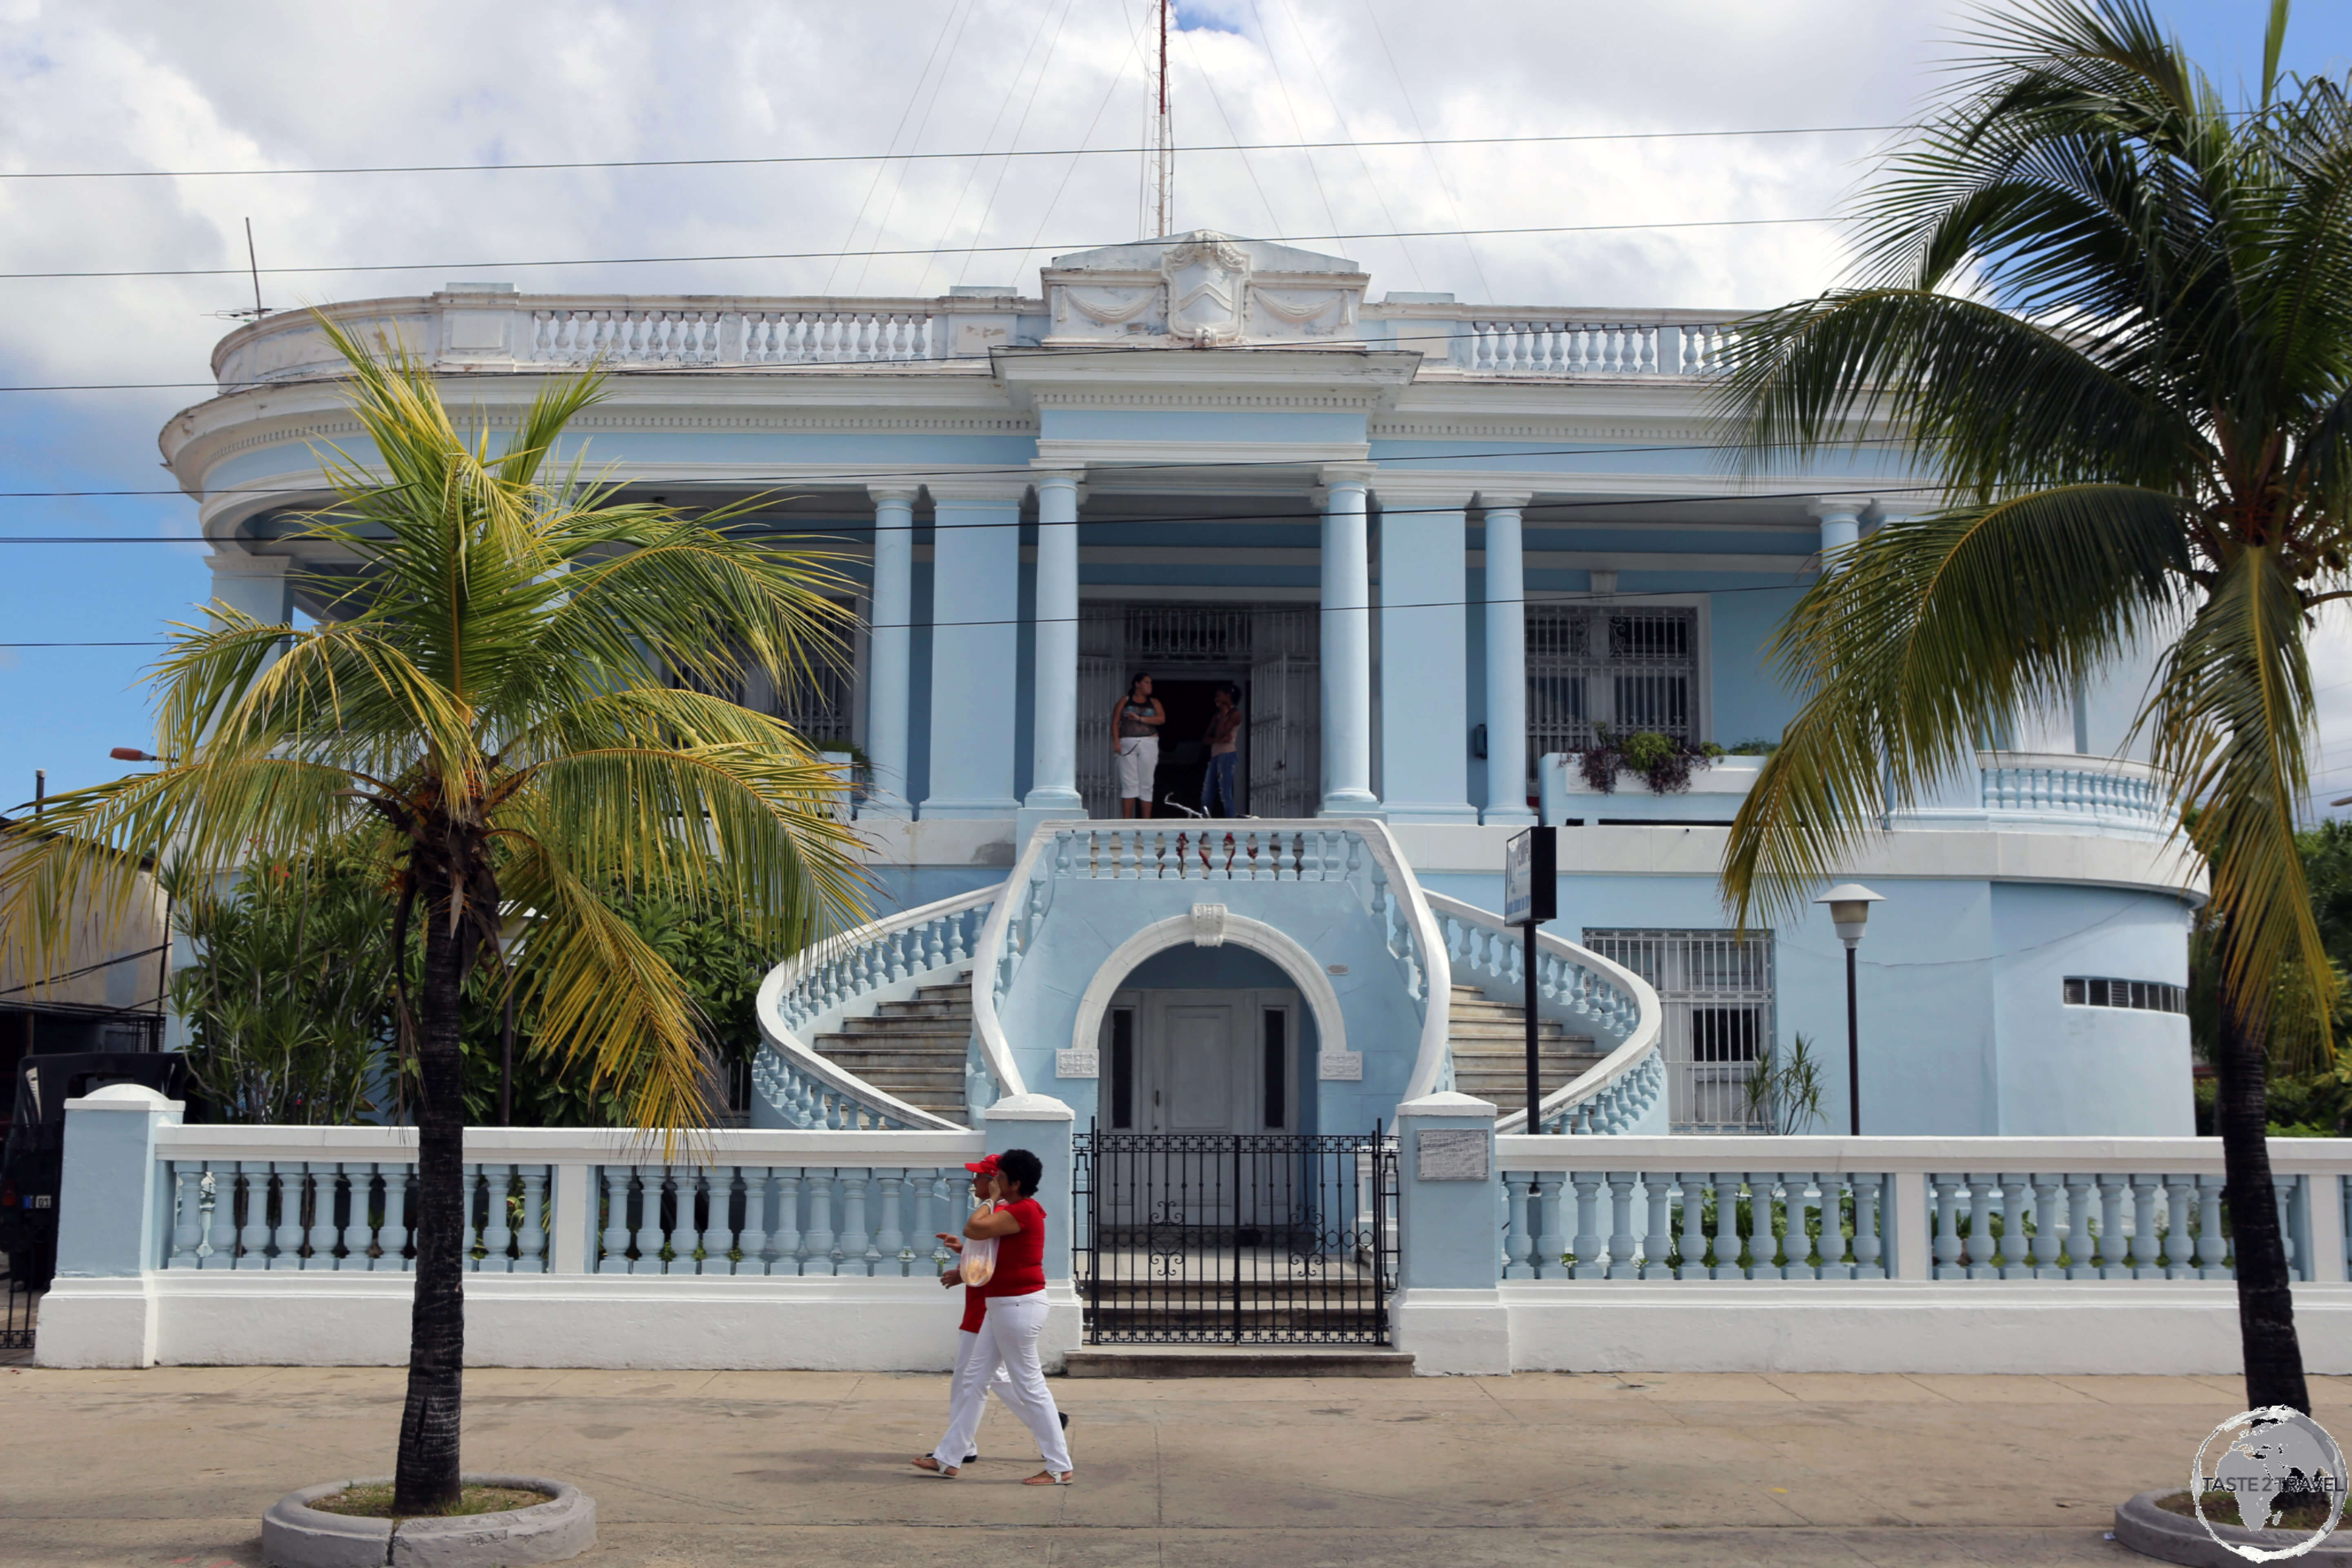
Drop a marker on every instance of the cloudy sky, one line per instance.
(113, 85)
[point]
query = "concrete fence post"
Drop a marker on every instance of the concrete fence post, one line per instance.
(101, 1309)
(1449, 1313)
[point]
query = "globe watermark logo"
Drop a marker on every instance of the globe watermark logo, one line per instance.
(2282, 1471)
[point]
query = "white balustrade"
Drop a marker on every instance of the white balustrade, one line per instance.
(1562, 343)
(627, 337)
(342, 1216)
(687, 333)
(809, 993)
(1936, 1209)
(780, 1203)
(2100, 792)
(1587, 996)
(847, 336)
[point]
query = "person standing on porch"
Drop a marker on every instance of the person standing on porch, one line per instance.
(1014, 1317)
(1135, 742)
(1224, 754)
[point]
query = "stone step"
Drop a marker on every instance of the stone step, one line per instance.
(909, 1028)
(1503, 1029)
(1237, 1361)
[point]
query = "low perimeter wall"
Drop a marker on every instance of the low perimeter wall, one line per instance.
(816, 1249)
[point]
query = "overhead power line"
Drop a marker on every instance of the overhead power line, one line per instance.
(820, 158)
(1539, 595)
(930, 250)
(887, 473)
(820, 527)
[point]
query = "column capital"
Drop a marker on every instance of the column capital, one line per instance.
(1342, 476)
(1505, 500)
(883, 494)
(1849, 507)
(1049, 478)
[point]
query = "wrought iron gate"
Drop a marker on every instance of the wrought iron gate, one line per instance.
(27, 1276)
(1236, 1238)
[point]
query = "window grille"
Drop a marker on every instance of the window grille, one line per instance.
(1717, 989)
(1590, 665)
(823, 704)
(2139, 995)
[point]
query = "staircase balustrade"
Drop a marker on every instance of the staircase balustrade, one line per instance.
(807, 995)
(1359, 854)
(1582, 991)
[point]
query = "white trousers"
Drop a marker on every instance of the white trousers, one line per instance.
(1007, 1339)
(1138, 760)
(967, 1343)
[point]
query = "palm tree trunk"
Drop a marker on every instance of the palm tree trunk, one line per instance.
(427, 1478)
(2273, 1357)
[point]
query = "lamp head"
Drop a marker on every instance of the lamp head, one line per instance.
(1849, 905)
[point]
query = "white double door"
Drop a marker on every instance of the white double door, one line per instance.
(1214, 1061)
(1190, 1069)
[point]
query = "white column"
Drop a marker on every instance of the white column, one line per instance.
(975, 646)
(1054, 748)
(1841, 518)
(890, 660)
(1347, 659)
(1424, 733)
(1507, 664)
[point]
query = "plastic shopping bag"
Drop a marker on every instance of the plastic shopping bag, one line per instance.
(979, 1266)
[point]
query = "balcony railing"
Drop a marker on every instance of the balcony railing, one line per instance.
(2011, 792)
(493, 329)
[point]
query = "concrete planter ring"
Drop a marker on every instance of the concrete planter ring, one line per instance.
(296, 1535)
(2171, 1538)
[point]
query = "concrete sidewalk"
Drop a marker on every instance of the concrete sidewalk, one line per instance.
(174, 1466)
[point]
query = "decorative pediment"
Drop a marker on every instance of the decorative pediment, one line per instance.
(1203, 289)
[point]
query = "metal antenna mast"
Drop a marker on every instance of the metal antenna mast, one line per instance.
(1161, 170)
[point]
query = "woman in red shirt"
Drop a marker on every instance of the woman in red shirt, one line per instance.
(1015, 1315)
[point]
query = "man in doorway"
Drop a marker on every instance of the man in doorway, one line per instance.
(1135, 742)
(1224, 754)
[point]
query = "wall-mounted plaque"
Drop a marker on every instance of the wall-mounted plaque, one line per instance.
(1452, 1154)
(1077, 1064)
(1340, 1067)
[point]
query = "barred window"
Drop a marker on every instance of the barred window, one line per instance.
(1590, 665)
(2139, 996)
(1717, 991)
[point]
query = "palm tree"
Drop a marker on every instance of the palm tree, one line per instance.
(493, 715)
(2112, 314)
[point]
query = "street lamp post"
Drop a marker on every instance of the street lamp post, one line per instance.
(1849, 905)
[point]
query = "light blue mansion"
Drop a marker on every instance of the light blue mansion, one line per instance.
(1435, 548)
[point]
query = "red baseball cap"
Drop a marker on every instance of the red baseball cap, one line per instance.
(986, 1166)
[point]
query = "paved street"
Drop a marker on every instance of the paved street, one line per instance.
(174, 1466)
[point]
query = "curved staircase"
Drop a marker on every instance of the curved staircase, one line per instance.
(883, 1028)
(1489, 1042)
(911, 1049)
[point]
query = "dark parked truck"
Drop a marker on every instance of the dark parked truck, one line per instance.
(33, 1159)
